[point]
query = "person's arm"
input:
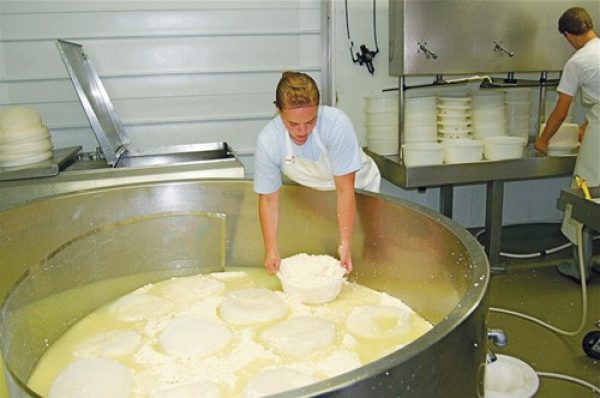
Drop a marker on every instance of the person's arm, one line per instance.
(582, 129)
(557, 117)
(346, 210)
(268, 213)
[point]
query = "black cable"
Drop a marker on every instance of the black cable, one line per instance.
(350, 42)
(365, 57)
(375, 27)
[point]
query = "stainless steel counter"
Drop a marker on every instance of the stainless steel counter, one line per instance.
(583, 210)
(492, 173)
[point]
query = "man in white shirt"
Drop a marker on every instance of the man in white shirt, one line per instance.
(581, 73)
(315, 146)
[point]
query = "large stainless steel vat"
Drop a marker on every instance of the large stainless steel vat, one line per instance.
(98, 244)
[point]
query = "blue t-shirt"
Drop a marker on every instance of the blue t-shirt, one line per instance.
(335, 132)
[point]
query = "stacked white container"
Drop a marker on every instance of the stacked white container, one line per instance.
(382, 123)
(454, 117)
(518, 112)
(420, 119)
(23, 138)
(489, 114)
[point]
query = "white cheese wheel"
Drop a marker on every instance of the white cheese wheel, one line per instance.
(273, 381)
(112, 343)
(187, 337)
(138, 305)
(252, 306)
(191, 288)
(93, 378)
(378, 321)
(300, 335)
(314, 279)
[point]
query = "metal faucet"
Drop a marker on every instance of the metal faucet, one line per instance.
(498, 47)
(428, 53)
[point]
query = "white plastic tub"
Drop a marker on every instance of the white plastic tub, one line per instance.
(422, 153)
(488, 100)
(567, 134)
(382, 103)
(419, 118)
(420, 133)
(503, 147)
(462, 150)
(384, 118)
(420, 104)
(383, 146)
(383, 131)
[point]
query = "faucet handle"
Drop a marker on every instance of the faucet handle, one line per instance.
(498, 337)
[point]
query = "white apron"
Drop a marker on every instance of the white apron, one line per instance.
(587, 165)
(318, 174)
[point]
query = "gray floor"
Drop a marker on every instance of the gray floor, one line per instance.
(534, 287)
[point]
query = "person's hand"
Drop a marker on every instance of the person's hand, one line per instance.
(581, 132)
(541, 145)
(272, 261)
(345, 257)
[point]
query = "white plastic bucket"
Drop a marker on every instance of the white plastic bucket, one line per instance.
(462, 150)
(518, 108)
(419, 119)
(385, 118)
(518, 94)
(420, 134)
(568, 133)
(383, 146)
(488, 100)
(382, 103)
(503, 147)
(422, 153)
(375, 131)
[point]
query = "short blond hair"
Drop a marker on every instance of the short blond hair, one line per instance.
(296, 90)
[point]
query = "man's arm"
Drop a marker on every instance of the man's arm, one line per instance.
(557, 117)
(346, 211)
(268, 213)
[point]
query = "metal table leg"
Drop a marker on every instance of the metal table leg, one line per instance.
(493, 223)
(446, 200)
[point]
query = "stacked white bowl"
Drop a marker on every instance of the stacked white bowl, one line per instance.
(454, 116)
(488, 114)
(518, 112)
(23, 138)
(420, 119)
(382, 123)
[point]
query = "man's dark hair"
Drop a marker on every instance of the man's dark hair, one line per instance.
(575, 21)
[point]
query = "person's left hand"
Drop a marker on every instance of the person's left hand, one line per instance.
(345, 257)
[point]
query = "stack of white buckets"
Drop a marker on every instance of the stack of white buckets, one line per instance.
(382, 124)
(466, 127)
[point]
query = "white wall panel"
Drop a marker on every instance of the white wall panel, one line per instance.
(86, 25)
(176, 71)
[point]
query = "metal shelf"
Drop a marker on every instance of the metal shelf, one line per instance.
(492, 173)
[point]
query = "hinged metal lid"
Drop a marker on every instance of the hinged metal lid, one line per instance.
(97, 105)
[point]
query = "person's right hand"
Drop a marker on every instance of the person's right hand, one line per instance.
(541, 145)
(272, 260)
